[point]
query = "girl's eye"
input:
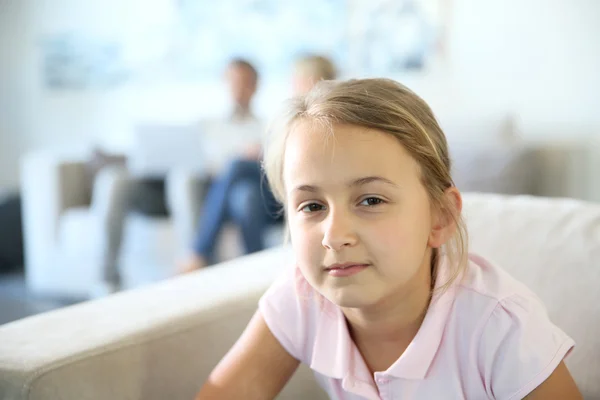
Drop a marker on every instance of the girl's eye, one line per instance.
(312, 207)
(371, 201)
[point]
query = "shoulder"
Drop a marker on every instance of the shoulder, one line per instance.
(517, 345)
(287, 294)
(489, 280)
(484, 288)
(291, 309)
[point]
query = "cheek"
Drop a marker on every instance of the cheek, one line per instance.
(308, 251)
(305, 240)
(398, 238)
(386, 238)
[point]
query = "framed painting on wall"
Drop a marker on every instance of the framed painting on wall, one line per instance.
(192, 40)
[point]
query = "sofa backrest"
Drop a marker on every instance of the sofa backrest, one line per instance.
(552, 246)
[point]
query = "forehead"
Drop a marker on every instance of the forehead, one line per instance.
(344, 152)
(240, 71)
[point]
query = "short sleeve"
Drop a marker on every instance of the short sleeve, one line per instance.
(285, 307)
(520, 348)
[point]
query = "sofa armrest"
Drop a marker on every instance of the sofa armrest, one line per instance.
(110, 189)
(50, 185)
(157, 342)
(110, 197)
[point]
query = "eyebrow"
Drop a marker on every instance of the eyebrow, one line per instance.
(355, 183)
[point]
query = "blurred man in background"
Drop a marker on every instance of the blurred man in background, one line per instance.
(237, 136)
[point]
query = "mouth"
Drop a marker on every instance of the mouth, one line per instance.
(345, 269)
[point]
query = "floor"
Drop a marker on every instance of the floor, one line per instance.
(17, 302)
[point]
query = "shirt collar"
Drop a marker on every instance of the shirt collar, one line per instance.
(333, 345)
(333, 348)
(420, 353)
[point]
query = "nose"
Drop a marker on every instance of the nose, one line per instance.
(338, 231)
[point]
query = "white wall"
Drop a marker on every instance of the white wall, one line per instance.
(540, 58)
(16, 33)
(537, 59)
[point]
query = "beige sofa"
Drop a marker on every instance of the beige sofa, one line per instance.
(161, 341)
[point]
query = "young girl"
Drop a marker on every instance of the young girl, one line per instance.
(384, 301)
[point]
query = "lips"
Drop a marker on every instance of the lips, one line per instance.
(345, 265)
(345, 269)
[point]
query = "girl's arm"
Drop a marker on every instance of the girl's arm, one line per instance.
(559, 385)
(256, 367)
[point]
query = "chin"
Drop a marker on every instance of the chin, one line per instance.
(349, 297)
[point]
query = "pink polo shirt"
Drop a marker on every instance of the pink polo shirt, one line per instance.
(487, 337)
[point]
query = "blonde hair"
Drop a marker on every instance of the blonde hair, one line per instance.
(316, 66)
(390, 107)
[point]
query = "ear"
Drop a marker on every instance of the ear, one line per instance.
(443, 226)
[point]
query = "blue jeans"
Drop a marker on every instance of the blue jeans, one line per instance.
(241, 195)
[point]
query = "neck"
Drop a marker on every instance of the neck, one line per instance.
(397, 318)
(241, 111)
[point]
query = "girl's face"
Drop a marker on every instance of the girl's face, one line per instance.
(360, 218)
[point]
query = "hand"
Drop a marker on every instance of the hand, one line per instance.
(193, 263)
(253, 152)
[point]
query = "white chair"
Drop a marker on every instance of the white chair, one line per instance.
(74, 245)
(66, 237)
